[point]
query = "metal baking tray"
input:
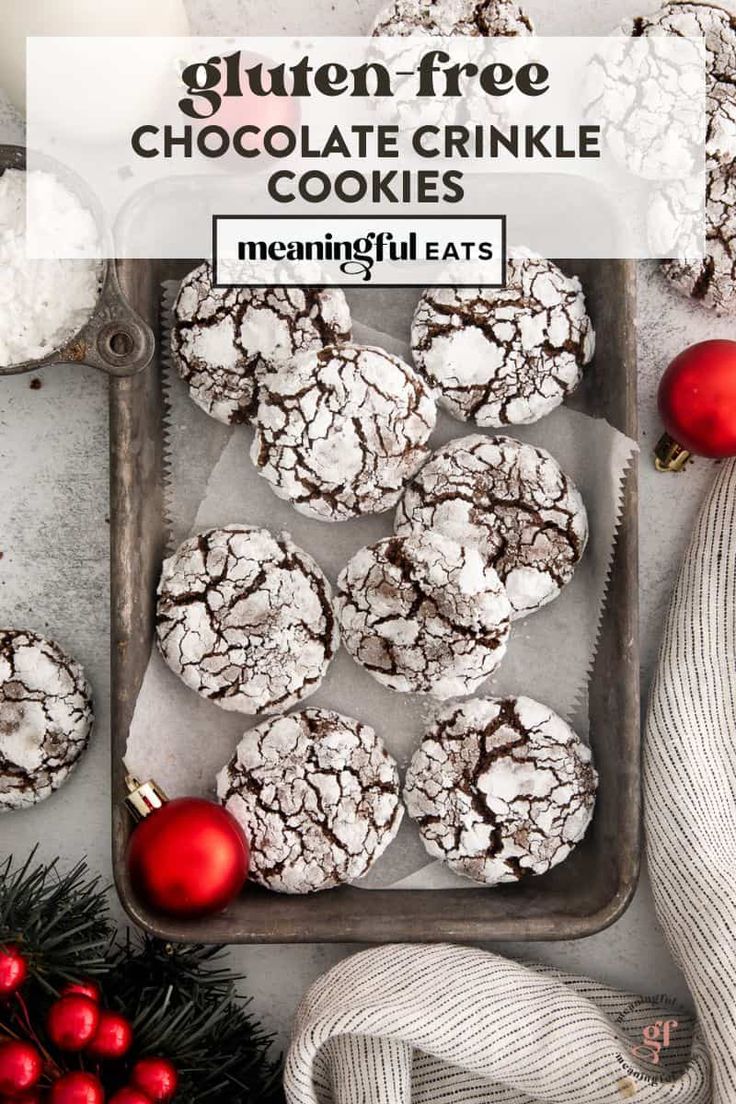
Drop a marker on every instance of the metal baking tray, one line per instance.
(581, 896)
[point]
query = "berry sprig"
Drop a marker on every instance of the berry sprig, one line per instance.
(76, 1024)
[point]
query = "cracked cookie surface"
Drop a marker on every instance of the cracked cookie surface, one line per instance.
(712, 281)
(423, 615)
(512, 502)
(224, 340)
(45, 717)
(505, 356)
(245, 618)
(500, 788)
(718, 27)
(341, 430)
(479, 18)
(317, 796)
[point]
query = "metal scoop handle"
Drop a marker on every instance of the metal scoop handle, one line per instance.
(116, 339)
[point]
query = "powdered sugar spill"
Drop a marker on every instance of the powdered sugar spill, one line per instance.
(43, 303)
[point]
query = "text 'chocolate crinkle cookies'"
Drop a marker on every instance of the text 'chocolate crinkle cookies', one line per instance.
(505, 356)
(317, 796)
(45, 717)
(245, 618)
(479, 18)
(500, 788)
(340, 431)
(509, 500)
(423, 615)
(225, 339)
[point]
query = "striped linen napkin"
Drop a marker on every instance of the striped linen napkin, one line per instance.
(452, 1025)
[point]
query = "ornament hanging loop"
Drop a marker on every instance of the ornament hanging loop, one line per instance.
(669, 456)
(143, 797)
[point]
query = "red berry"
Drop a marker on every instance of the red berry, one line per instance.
(89, 989)
(130, 1095)
(113, 1037)
(156, 1077)
(20, 1067)
(77, 1088)
(13, 971)
(73, 1021)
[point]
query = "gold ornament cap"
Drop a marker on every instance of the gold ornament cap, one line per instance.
(669, 456)
(143, 797)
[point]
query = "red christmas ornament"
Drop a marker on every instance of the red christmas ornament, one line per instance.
(697, 403)
(130, 1095)
(13, 971)
(156, 1077)
(20, 1067)
(73, 1021)
(113, 1037)
(77, 1088)
(89, 989)
(188, 857)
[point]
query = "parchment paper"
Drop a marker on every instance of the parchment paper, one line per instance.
(183, 740)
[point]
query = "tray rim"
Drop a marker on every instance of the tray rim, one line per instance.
(129, 595)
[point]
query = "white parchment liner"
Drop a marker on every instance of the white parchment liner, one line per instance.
(183, 740)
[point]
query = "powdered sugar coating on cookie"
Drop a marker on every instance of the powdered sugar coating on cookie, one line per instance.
(512, 502)
(224, 340)
(317, 796)
(478, 18)
(245, 618)
(423, 615)
(712, 281)
(500, 788)
(505, 356)
(718, 27)
(340, 431)
(45, 717)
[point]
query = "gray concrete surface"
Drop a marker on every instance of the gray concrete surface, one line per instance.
(54, 544)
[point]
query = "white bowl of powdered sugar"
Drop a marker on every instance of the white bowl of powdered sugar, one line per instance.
(45, 302)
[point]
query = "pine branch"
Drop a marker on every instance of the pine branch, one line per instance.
(59, 921)
(184, 1006)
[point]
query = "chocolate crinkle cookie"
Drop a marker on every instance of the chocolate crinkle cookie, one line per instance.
(423, 614)
(245, 618)
(479, 18)
(225, 339)
(45, 717)
(505, 356)
(340, 431)
(717, 27)
(712, 280)
(317, 796)
(509, 500)
(500, 788)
